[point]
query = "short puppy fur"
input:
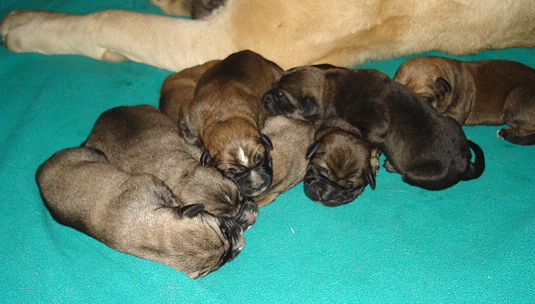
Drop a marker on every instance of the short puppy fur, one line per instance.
(486, 92)
(135, 214)
(140, 139)
(341, 164)
(225, 117)
(428, 149)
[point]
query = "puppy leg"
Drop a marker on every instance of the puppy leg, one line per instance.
(520, 116)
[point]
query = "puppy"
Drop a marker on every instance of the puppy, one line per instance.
(225, 117)
(487, 92)
(290, 138)
(428, 149)
(341, 164)
(135, 214)
(197, 9)
(287, 32)
(140, 139)
(288, 154)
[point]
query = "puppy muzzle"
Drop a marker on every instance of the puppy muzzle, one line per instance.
(326, 192)
(247, 213)
(254, 181)
(276, 102)
(233, 232)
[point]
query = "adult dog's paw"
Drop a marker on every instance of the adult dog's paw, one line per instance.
(18, 28)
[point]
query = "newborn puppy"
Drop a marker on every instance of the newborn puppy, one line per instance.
(178, 89)
(341, 164)
(288, 154)
(290, 138)
(140, 139)
(428, 149)
(135, 214)
(197, 9)
(487, 92)
(225, 117)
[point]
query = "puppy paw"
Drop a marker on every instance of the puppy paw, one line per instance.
(389, 167)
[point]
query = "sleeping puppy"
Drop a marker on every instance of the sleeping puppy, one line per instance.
(135, 214)
(140, 139)
(225, 117)
(178, 89)
(288, 154)
(428, 149)
(341, 164)
(290, 138)
(487, 92)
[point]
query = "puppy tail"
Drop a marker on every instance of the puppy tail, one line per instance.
(476, 168)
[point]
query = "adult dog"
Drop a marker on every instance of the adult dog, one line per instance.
(135, 214)
(428, 149)
(291, 33)
(225, 116)
(140, 139)
(341, 164)
(485, 92)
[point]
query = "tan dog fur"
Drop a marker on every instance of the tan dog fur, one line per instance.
(291, 33)
(135, 214)
(486, 92)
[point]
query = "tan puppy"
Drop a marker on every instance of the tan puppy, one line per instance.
(225, 117)
(290, 138)
(287, 32)
(135, 214)
(140, 139)
(487, 92)
(341, 164)
(430, 150)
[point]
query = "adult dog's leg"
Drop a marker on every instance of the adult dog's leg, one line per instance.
(117, 35)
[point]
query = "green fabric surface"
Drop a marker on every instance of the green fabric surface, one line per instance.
(472, 243)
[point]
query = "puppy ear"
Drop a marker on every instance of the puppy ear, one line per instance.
(192, 210)
(371, 179)
(266, 141)
(206, 159)
(310, 108)
(312, 149)
(443, 87)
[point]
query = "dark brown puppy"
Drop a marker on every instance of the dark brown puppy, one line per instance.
(135, 214)
(341, 164)
(140, 139)
(428, 149)
(487, 92)
(225, 117)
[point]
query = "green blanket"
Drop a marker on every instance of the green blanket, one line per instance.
(472, 243)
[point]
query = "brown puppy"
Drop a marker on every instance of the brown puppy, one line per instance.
(225, 117)
(341, 164)
(487, 92)
(290, 138)
(178, 89)
(135, 214)
(140, 139)
(428, 149)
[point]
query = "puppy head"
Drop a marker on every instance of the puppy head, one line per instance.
(340, 168)
(427, 77)
(298, 93)
(241, 156)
